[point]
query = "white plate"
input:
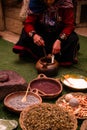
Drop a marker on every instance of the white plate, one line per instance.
(74, 81)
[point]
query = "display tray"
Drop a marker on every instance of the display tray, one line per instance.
(74, 81)
(47, 116)
(14, 102)
(75, 103)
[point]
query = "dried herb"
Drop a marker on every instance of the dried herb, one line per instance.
(47, 116)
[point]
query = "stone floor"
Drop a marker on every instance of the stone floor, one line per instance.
(82, 31)
(9, 36)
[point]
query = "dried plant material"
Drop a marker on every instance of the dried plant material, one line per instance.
(47, 116)
(77, 104)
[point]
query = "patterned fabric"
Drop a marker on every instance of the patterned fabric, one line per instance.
(50, 17)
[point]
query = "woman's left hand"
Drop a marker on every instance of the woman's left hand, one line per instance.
(56, 47)
(38, 40)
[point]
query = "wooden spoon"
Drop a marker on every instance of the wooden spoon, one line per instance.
(25, 96)
(44, 50)
(52, 60)
(67, 80)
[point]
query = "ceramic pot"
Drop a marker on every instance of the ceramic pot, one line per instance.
(47, 87)
(46, 66)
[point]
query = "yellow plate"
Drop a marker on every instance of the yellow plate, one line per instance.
(74, 81)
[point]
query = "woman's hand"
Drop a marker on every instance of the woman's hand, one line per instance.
(38, 40)
(56, 47)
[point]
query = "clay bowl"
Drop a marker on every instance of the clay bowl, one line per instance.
(47, 87)
(44, 65)
(13, 101)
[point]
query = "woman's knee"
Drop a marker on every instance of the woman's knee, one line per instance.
(73, 37)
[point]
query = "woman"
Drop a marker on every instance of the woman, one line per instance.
(49, 24)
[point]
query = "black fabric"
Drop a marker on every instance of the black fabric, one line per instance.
(36, 6)
(68, 47)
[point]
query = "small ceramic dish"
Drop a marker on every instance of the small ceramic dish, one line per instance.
(74, 81)
(47, 87)
(13, 101)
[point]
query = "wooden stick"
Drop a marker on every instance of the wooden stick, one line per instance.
(25, 96)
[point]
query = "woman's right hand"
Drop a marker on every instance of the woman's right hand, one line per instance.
(38, 40)
(56, 47)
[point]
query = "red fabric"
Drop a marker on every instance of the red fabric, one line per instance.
(68, 20)
(29, 23)
(21, 49)
(67, 15)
